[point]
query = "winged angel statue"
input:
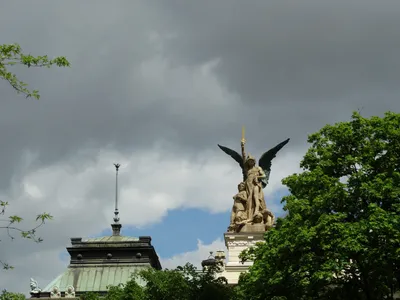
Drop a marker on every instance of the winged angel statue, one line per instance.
(249, 203)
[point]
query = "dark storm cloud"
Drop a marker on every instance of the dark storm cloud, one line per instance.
(284, 69)
(293, 50)
(100, 100)
(295, 64)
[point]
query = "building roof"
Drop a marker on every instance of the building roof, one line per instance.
(96, 278)
(103, 261)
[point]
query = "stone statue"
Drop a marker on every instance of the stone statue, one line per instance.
(239, 213)
(220, 258)
(70, 292)
(34, 287)
(255, 179)
(255, 194)
(55, 292)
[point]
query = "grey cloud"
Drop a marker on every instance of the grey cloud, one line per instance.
(291, 63)
(272, 51)
(297, 64)
(100, 100)
(285, 69)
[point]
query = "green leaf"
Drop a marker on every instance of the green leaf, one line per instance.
(15, 219)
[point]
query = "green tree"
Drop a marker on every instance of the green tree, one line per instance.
(183, 283)
(341, 236)
(11, 296)
(12, 55)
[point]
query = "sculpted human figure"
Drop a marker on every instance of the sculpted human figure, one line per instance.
(268, 218)
(255, 178)
(238, 214)
(255, 194)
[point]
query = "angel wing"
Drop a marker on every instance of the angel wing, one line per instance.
(232, 153)
(265, 161)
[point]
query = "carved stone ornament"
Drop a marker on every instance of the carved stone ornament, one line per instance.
(70, 292)
(55, 292)
(242, 243)
(34, 287)
(220, 266)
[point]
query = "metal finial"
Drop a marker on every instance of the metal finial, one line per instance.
(116, 218)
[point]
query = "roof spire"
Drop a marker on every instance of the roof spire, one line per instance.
(116, 227)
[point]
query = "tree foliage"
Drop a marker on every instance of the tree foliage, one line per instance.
(12, 226)
(183, 283)
(11, 296)
(12, 55)
(341, 236)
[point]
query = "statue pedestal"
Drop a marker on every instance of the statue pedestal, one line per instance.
(236, 243)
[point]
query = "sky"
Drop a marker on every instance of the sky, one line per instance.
(155, 86)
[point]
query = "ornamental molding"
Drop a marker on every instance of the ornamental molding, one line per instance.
(242, 243)
(70, 292)
(55, 292)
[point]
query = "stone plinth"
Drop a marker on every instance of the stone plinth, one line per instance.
(236, 243)
(253, 228)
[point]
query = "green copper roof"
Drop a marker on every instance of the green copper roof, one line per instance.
(95, 278)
